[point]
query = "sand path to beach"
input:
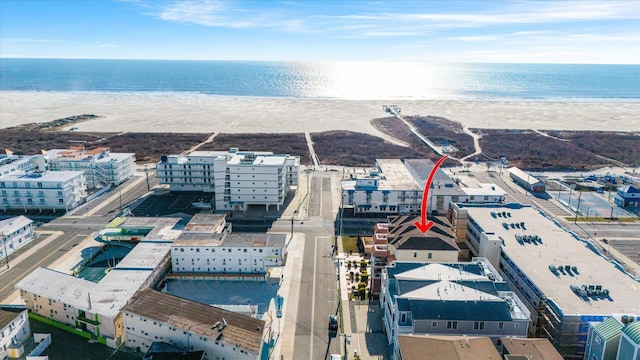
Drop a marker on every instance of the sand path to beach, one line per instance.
(208, 114)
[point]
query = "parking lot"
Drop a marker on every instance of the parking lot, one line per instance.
(589, 204)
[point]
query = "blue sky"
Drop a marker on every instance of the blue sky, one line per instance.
(329, 30)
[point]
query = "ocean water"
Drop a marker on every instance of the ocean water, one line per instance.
(340, 80)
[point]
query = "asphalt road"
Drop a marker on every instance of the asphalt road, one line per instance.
(318, 289)
(75, 226)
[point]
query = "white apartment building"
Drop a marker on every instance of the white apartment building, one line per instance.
(14, 329)
(152, 316)
(238, 179)
(565, 282)
(15, 163)
(101, 167)
(207, 245)
(49, 190)
(96, 308)
(14, 233)
(397, 186)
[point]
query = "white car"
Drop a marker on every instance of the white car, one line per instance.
(336, 357)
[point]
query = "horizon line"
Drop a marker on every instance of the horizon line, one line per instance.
(316, 61)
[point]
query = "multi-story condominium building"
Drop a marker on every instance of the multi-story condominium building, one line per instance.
(565, 282)
(14, 330)
(16, 163)
(404, 242)
(101, 167)
(207, 245)
(396, 187)
(238, 179)
(49, 190)
(14, 233)
(96, 308)
(449, 299)
(152, 316)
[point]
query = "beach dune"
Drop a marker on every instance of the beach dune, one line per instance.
(175, 112)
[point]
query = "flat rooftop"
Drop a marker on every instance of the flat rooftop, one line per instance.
(42, 176)
(58, 286)
(8, 313)
(9, 226)
(484, 189)
(162, 228)
(396, 175)
(557, 247)
(112, 293)
(530, 179)
(206, 223)
(262, 160)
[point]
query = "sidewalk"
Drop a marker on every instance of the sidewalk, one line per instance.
(361, 320)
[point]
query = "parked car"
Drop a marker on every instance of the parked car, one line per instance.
(333, 325)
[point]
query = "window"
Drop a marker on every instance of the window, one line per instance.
(500, 325)
(429, 255)
(598, 340)
(452, 324)
(434, 324)
(415, 254)
(499, 342)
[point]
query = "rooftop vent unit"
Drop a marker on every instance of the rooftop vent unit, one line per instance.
(590, 291)
(522, 225)
(493, 214)
(554, 270)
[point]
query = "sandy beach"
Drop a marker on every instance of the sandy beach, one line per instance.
(206, 114)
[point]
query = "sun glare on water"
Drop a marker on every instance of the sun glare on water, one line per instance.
(380, 80)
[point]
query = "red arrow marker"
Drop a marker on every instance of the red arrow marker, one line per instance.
(423, 225)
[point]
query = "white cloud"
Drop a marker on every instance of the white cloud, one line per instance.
(295, 18)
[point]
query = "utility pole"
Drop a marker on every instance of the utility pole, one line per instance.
(146, 172)
(575, 221)
(4, 244)
(347, 340)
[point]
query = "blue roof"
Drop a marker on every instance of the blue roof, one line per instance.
(403, 304)
(459, 310)
(628, 189)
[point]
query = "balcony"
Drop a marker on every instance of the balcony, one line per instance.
(84, 319)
